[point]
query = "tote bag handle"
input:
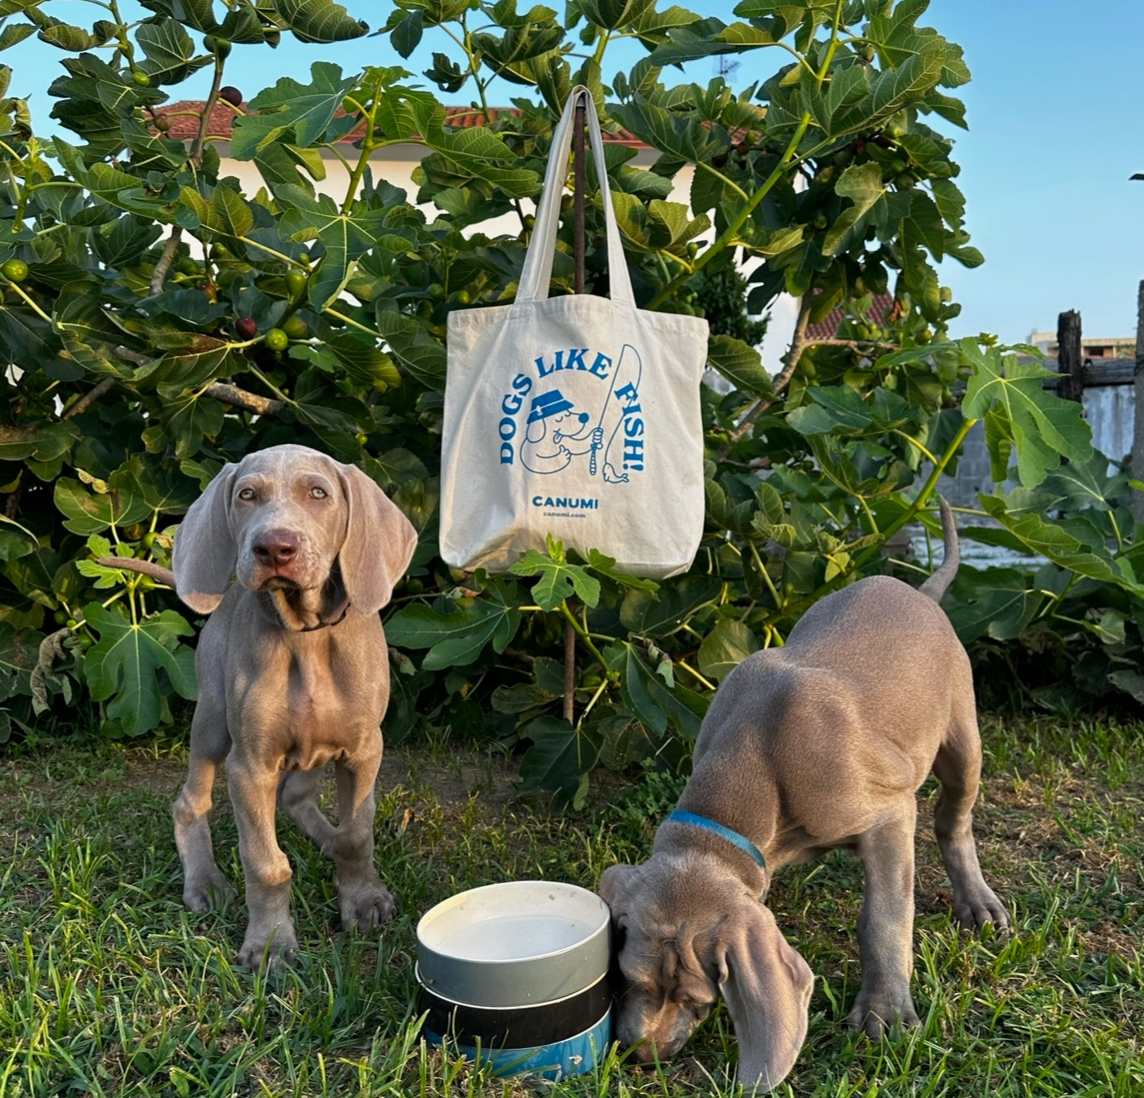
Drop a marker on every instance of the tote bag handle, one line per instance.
(537, 273)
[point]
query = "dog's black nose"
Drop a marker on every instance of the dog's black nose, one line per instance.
(276, 548)
(583, 417)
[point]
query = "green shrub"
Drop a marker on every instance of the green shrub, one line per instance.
(158, 322)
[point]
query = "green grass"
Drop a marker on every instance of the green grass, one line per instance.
(109, 987)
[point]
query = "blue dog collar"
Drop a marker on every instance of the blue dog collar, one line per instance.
(741, 841)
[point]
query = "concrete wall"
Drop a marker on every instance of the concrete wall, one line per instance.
(1110, 411)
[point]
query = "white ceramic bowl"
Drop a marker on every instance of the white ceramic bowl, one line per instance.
(514, 944)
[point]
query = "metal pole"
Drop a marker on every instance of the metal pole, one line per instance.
(578, 259)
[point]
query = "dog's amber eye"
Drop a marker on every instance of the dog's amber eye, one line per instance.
(318, 493)
(246, 493)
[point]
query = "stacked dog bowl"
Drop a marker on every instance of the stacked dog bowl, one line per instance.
(515, 975)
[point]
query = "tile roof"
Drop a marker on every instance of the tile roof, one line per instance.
(184, 118)
(828, 328)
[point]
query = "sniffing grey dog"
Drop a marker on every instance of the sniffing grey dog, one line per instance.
(292, 554)
(820, 744)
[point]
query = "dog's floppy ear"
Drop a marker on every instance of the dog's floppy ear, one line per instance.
(767, 986)
(614, 884)
(205, 552)
(379, 542)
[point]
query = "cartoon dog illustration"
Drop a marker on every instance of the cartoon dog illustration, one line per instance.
(555, 433)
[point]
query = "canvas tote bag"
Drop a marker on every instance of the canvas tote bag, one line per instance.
(575, 416)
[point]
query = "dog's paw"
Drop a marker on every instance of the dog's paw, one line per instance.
(876, 1013)
(979, 907)
(366, 906)
(259, 948)
(208, 893)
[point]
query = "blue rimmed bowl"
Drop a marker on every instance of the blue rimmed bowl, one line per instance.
(552, 1040)
(515, 975)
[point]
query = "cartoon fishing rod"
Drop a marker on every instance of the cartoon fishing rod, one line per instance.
(629, 356)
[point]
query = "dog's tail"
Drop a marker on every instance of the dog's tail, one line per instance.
(936, 585)
(147, 567)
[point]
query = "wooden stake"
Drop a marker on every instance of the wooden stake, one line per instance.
(578, 259)
(1070, 358)
(578, 195)
(1138, 426)
(569, 672)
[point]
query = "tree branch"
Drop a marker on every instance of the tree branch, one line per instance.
(240, 398)
(859, 345)
(129, 355)
(797, 345)
(196, 151)
(159, 274)
(85, 402)
(144, 567)
(222, 391)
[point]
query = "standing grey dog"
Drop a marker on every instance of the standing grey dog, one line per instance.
(820, 744)
(292, 554)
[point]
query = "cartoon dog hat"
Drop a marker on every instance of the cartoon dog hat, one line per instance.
(548, 404)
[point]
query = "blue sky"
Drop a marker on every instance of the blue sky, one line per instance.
(1056, 117)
